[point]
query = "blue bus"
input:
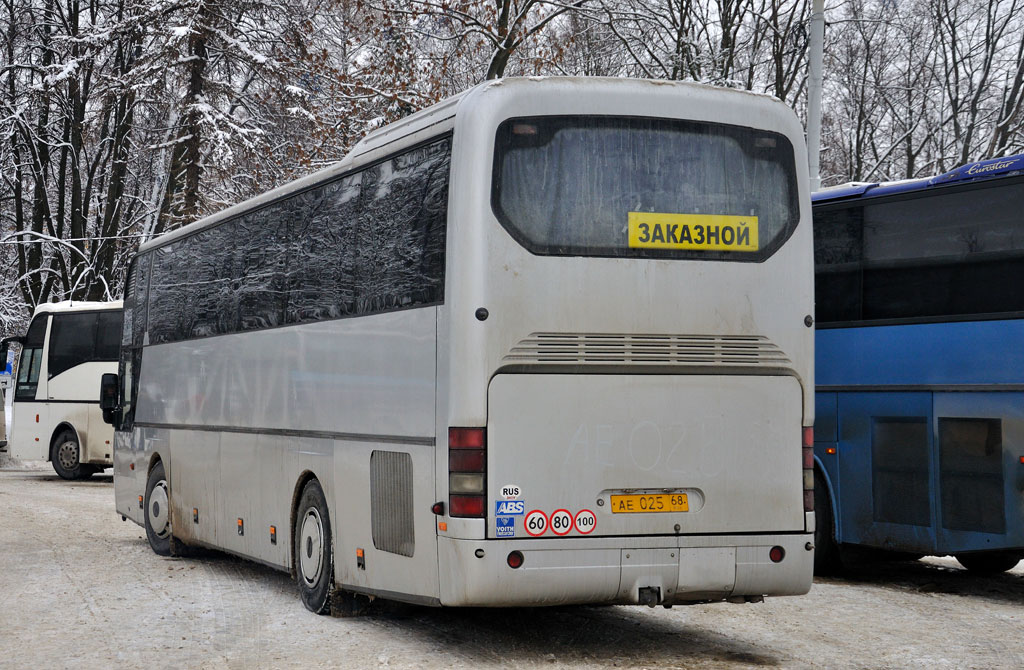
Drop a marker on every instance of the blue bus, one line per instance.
(919, 429)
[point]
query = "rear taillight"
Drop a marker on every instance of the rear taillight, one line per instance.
(808, 461)
(467, 472)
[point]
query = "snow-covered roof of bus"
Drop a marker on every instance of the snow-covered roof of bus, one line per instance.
(76, 306)
(440, 117)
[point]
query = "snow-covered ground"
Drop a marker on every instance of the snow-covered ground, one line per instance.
(79, 588)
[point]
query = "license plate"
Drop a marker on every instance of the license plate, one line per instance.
(638, 503)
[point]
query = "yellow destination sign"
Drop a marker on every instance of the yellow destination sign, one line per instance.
(701, 232)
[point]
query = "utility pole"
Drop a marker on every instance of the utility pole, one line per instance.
(815, 66)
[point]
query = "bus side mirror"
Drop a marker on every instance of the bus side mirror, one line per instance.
(108, 398)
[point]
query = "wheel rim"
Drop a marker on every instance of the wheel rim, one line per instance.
(311, 547)
(67, 454)
(157, 506)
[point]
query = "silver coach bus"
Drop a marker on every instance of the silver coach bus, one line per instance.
(545, 342)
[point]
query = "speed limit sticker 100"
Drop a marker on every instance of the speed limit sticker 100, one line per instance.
(585, 521)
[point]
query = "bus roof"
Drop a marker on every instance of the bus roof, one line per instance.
(992, 168)
(75, 306)
(440, 118)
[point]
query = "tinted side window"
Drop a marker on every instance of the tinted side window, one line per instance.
(108, 335)
(140, 308)
(324, 224)
(31, 359)
(369, 242)
(400, 233)
(72, 341)
(935, 255)
(168, 317)
(129, 303)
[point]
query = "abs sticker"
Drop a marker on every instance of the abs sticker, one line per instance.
(509, 508)
(536, 523)
(585, 521)
(561, 521)
(505, 526)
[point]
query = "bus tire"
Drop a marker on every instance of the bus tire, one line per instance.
(989, 562)
(314, 549)
(157, 511)
(65, 457)
(826, 551)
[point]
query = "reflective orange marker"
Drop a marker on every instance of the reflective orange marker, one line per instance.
(442, 526)
(359, 553)
(140, 500)
(830, 450)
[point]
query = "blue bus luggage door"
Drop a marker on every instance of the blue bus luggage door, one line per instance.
(886, 470)
(979, 443)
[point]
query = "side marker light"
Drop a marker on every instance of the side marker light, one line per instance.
(515, 559)
(830, 451)
(777, 553)
(442, 526)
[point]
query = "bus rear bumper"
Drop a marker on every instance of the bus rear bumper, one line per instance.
(622, 570)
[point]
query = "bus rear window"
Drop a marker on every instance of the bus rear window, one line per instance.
(644, 188)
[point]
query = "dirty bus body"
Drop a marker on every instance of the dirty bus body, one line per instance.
(526, 347)
(56, 416)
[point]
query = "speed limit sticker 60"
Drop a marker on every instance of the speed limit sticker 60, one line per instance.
(536, 523)
(585, 521)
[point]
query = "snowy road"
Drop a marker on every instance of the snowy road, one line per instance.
(81, 589)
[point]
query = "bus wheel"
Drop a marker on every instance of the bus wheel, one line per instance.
(826, 551)
(157, 512)
(64, 457)
(989, 562)
(314, 555)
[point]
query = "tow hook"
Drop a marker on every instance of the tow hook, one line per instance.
(649, 595)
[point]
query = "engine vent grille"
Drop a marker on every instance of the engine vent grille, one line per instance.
(391, 513)
(693, 350)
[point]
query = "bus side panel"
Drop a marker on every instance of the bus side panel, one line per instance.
(192, 464)
(885, 470)
(98, 447)
(29, 438)
(979, 440)
(398, 539)
(126, 480)
(341, 376)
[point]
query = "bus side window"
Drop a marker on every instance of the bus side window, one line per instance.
(31, 359)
